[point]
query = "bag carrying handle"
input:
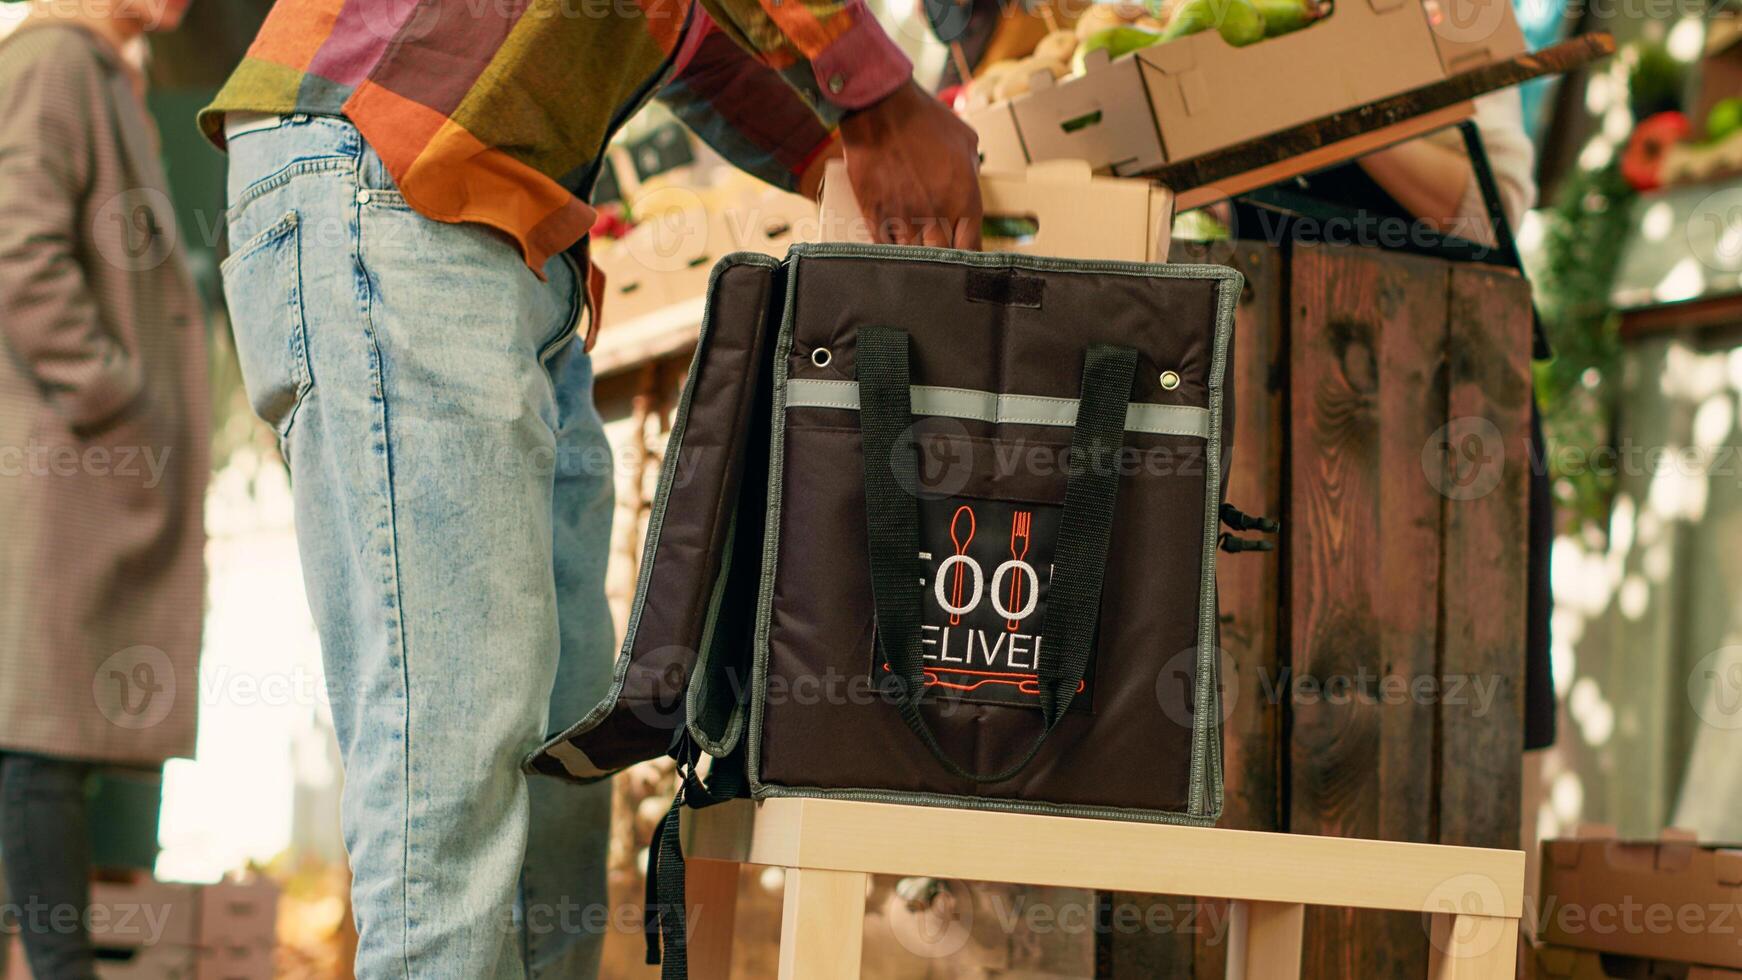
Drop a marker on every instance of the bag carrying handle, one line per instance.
(1079, 556)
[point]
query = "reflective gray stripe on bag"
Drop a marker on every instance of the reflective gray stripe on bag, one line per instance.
(938, 527)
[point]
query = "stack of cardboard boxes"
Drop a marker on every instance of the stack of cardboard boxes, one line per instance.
(667, 258)
(1667, 909)
(145, 929)
(1194, 95)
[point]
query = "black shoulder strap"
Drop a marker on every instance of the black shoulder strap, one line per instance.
(664, 912)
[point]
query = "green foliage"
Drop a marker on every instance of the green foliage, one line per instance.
(1584, 231)
(1656, 79)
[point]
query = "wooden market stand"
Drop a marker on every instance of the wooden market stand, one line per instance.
(1360, 378)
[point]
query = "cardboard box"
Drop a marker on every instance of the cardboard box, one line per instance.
(1073, 213)
(1197, 94)
(633, 288)
(227, 962)
(239, 914)
(153, 930)
(1669, 899)
(669, 257)
(1001, 149)
(144, 912)
(162, 962)
(1565, 963)
(769, 222)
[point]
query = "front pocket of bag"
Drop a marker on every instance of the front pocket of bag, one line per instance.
(821, 694)
(263, 288)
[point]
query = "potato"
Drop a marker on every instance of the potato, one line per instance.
(1096, 19)
(1057, 46)
(1018, 81)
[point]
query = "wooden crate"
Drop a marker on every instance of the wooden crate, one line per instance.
(1348, 364)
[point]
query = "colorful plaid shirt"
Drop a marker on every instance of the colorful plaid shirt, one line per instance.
(499, 111)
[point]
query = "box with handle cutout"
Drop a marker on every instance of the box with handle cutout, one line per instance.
(1197, 94)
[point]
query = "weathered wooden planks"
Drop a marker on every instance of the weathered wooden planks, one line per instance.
(1367, 393)
(1487, 469)
(1181, 936)
(1355, 649)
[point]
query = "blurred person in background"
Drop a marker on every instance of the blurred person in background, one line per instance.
(103, 454)
(409, 203)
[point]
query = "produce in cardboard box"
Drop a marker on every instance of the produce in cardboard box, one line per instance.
(1724, 119)
(1120, 29)
(1098, 18)
(1285, 16)
(1017, 80)
(1238, 21)
(1057, 46)
(1116, 41)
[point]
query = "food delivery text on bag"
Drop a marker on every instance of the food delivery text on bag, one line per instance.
(988, 569)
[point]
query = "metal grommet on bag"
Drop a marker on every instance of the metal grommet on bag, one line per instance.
(1169, 380)
(821, 357)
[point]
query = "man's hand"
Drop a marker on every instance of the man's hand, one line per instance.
(915, 171)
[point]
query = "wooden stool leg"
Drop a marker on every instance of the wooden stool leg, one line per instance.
(711, 900)
(1473, 947)
(1264, 940)
(822, 924)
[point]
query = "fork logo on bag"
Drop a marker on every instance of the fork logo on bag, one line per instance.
(988, 570)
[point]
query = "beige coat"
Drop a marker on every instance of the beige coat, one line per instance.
(103, 417)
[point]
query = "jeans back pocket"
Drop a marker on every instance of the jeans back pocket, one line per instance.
(263, 288)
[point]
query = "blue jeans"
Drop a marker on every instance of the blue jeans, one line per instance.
(45, 844)
(453, 499)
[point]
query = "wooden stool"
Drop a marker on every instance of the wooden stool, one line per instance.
(830, 847)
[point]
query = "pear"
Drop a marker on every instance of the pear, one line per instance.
(1116, 41)
(1238, 21)
(1283, 16)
